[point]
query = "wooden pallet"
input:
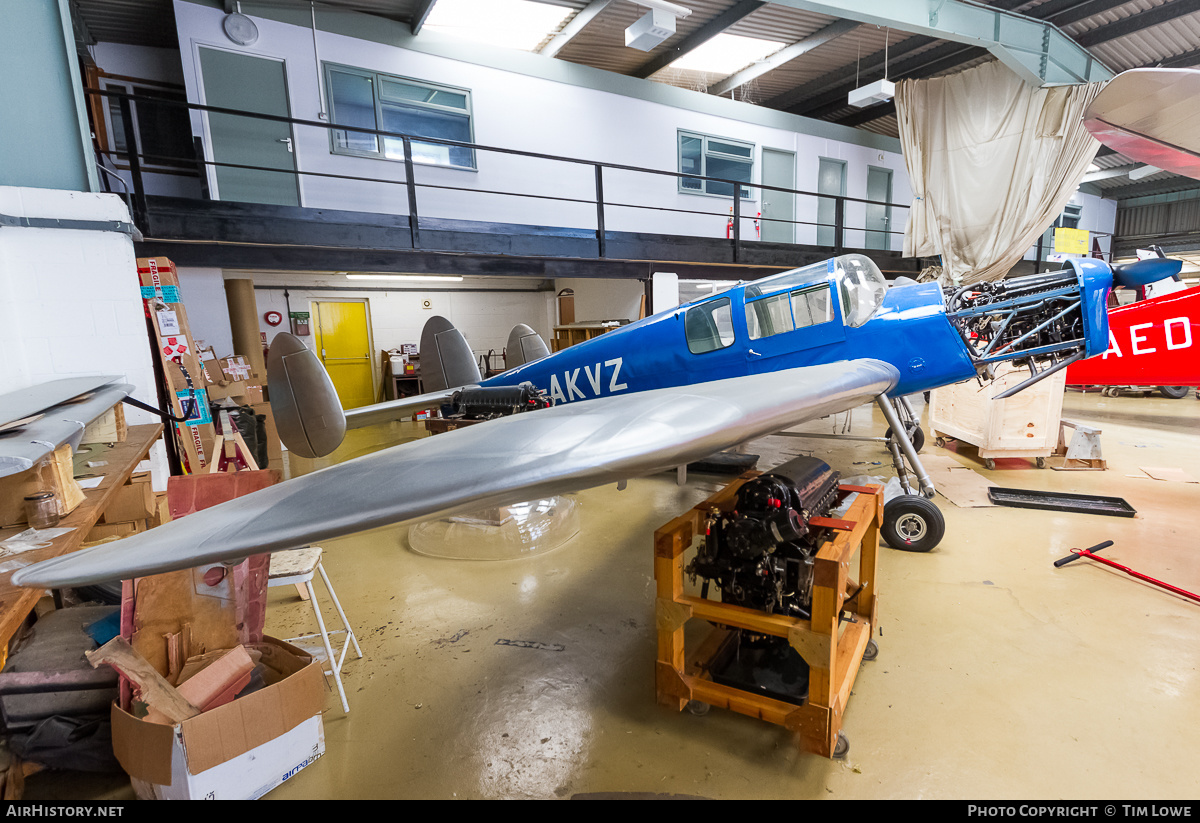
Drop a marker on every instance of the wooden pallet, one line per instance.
(833, 649)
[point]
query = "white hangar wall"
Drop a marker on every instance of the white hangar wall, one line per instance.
(539, 105)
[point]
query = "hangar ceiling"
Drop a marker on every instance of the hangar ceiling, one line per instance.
(837, 54)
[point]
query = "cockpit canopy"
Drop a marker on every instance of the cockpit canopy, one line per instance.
(860, 284)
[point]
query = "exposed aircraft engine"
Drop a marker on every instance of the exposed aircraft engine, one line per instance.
(761, 553)
(480, 403)
(1039, 321)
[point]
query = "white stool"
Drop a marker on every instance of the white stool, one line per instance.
(295, 568)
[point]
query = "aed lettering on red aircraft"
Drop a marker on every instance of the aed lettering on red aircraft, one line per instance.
(1176, 334)
(594, 379)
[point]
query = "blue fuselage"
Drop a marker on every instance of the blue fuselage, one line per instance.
(909, 329)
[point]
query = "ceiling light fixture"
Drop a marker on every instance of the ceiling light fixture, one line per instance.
(878, 92)
(446, 278)
(651, 29)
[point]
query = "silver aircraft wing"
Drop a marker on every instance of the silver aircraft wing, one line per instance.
(506, 460)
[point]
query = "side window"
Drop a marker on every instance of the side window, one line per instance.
(783, 312)
(709, 326)
(771, 315)
(812, 306)
(358, 97)
(714, 157)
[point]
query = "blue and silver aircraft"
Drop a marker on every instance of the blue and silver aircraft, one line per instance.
(660, 393)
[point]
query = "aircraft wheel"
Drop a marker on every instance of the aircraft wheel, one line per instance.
(1174, 392)
(912, 523)
(915, 434)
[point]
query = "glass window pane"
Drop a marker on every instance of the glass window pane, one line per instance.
(863, 287)
(813, 273)
(812, 307)
(690, 160)
(164, 131)
(420, 122)
(114, 113)
(709, 326)
(403, 92)
(730, 148)
(353, 103)
(768, 317)
(729, 169)
(451, 99)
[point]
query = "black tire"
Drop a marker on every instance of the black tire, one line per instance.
(912, 523)
(1174, 392)
(916, 434)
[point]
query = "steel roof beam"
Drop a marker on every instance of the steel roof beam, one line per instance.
(420, 15)
(1138, 22)
(1036, 50)
(937, 59)
(575, 25)
(785, 55)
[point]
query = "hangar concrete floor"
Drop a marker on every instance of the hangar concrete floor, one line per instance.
(998, 676)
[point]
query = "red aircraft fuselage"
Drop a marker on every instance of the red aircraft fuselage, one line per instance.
(1153, 342)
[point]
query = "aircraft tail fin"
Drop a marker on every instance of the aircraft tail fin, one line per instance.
(446, 359)
(307, 410)
(524, 346)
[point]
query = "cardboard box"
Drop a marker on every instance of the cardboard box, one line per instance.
(239, 751)
(105, 531)
(133, 501)
(236, 367)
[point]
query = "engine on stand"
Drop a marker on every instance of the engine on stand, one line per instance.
(760, 556)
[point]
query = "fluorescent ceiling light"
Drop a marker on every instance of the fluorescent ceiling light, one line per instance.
(514, 24)
(726, 53)
(448, 278)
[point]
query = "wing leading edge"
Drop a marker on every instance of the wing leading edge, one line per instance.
(561, 449)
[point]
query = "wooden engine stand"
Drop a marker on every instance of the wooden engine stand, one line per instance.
(832, 648)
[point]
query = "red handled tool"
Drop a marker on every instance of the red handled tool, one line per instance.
(1078, 553)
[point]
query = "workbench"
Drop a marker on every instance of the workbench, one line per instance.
(17, 602)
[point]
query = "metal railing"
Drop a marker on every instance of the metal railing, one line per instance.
(138, 161)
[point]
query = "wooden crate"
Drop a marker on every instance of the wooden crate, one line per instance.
(832, 649)
(1024, 425)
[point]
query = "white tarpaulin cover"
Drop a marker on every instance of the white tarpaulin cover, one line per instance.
(992, 163)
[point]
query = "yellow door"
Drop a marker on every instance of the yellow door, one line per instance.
(344, 346)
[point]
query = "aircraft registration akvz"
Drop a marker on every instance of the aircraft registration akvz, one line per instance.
(656, 394)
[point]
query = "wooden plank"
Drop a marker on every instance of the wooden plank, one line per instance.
(155, 691)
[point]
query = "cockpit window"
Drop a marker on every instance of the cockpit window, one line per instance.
(709, 326)
(815, 273)
(785, 312)
(862, 287)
